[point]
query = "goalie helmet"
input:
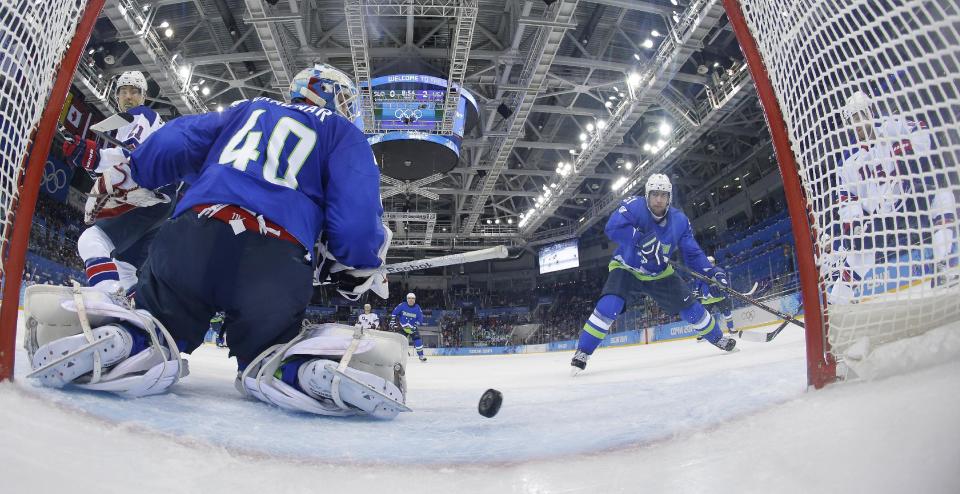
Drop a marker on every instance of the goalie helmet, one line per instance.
(857, 105)
(327, 87)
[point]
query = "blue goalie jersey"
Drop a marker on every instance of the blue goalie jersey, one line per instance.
(305, 168)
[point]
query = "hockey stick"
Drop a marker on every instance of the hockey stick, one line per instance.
(498, 252)
(751, 291)
(764, 337)
(737, 295)
(106, 137)
(112, 122)
(110, 139)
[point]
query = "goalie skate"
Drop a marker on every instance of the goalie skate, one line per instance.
(376, 402)
(373, 384)
(57, 371)
(64, 324)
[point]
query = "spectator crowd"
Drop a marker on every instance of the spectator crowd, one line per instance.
(559, 304)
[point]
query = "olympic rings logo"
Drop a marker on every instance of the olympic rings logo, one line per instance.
(402, 113)
(54, 178)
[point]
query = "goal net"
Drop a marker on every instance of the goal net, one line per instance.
(869, 92)
(40, 43)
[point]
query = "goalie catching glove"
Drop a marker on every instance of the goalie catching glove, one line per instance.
(115, 193)
(352, 282)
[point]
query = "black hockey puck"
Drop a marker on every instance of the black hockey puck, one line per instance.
(490, 403)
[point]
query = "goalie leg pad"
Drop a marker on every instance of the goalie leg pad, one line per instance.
(53, 322)
(371, 384)
(262, 381)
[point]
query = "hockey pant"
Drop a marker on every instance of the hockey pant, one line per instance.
(115, 248)
(198, 267)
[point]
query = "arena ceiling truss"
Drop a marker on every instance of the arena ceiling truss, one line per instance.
(601, 93)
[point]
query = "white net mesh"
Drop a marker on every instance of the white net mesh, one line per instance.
(34, 35)
(870, 93)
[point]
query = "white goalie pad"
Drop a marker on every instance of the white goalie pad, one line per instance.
(57, 315)
(47, 320)
(372, 382)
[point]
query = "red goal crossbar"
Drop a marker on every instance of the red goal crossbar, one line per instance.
(821, 366)
(22, 208)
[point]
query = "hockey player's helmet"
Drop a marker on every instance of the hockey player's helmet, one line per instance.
(327, 87)
(857, 105)
(658, 182)
(131, 78)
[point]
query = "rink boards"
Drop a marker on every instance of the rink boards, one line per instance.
(744, 318)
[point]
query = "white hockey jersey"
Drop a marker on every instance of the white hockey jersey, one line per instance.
(869, 177)
(145, 122)
(874, 182)
(368, 321)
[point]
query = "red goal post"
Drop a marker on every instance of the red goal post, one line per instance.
(40, 45)
(862, 99)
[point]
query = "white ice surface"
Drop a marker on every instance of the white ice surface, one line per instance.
(672, 417)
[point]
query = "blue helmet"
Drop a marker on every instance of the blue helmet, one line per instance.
(327, 87)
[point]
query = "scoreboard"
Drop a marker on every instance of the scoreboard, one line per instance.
(408, 109)
(414, 102)
(408, 112)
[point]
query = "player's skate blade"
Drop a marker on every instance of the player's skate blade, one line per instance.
(62, 361)
(727, 344)
(579, 363)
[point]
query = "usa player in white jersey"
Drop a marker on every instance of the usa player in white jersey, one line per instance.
(123, 221)
(369, 319)
(888, 192)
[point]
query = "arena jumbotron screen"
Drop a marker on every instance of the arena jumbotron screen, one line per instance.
(407, 109)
